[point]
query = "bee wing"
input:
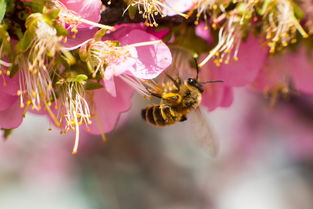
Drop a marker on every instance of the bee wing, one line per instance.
(204, 136)
(143, 87)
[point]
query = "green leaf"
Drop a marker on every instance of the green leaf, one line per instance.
(91, 85)
(3, 6)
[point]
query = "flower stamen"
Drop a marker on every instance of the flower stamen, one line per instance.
(74, 109)
(151, 8)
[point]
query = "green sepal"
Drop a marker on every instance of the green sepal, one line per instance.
(3, 6)
(265, 6)
(6, 133)
(35, 5)
(80, 78)
(99, 34)
(68, 57)
(61, 31)
(50, 14)
(5, 39)
(116, 43)
(132, 12)
(13, 70)
(299, 14)
(89, 67)
(91, 85)
(24, 44)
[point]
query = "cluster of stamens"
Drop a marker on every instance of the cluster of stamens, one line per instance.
(105, 56)
(75, 109)
(206, 7)
(229, 38)
(230, 33)
(149, 9)
(35, 81)
(101, 54)
(282, 25)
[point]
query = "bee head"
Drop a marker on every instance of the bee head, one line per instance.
(194, 82)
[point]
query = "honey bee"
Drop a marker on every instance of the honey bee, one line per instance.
(178, 98)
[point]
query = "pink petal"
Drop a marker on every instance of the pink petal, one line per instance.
(121, 66)
(87, 9)
(152, 59)
(301, 66)
(107, 109)
(215, 94)
(275, 73)
(178, 5)
(123, 29)
(203, 31)
(158, 33)
(110, 86)
(11, 117)
(9, 85)
(82, 37)
(228, 97)
(6, 100)
(251, 59)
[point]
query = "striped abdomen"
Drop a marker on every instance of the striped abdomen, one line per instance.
(160, 115)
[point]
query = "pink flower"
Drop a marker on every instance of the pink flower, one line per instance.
(80, 18)
(11, 115)
(151, 59)
(142, 62)
(139, 55)
(282, 70)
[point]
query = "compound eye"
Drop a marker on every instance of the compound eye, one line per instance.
(191, 81)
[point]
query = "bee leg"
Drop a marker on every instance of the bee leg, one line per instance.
(154, 94)
(176, 82)
(183, 118)
(172, 97)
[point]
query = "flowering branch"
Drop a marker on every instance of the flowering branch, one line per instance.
(70, 59)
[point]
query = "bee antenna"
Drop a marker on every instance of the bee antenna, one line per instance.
(195, 57)
(216, 81)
